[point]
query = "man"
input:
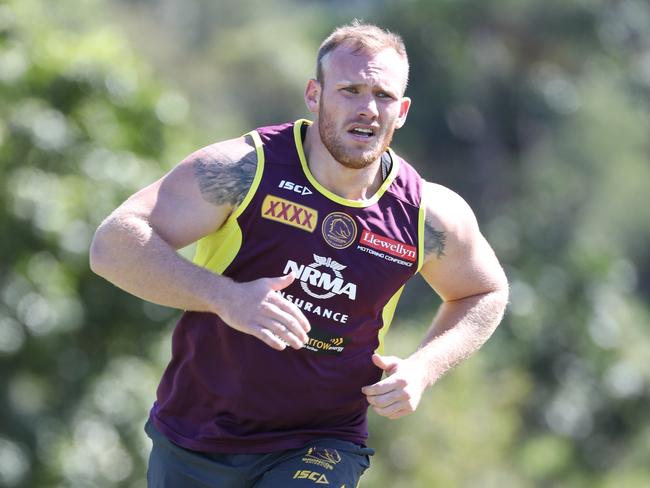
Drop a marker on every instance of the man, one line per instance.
(306, 235)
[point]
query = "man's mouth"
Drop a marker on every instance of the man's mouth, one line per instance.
(362, 132)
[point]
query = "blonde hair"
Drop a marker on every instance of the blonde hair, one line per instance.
(363, 37)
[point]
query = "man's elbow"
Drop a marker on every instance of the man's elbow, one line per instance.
(99, 256)
(501, 294)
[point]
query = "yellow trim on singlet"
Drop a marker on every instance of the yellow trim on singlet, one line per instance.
(389, 309)
(421, 217)
(332, 196)
(387, 317)
(217, 250)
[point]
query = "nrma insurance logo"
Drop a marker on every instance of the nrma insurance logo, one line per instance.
(322, 278)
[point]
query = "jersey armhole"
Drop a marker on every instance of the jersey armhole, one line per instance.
(217, 250)
(421, 218)
(259, 149)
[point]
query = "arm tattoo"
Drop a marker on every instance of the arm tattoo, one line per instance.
(434, 240)
(224, 179)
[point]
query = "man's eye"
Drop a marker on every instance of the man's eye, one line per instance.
(351, 89)
(383, 95)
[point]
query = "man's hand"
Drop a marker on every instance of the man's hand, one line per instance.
(257, 309)
(399, 393)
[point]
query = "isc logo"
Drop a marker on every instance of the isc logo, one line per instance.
(317, 478)
(288, 185)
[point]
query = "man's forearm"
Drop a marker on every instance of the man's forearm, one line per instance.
(459, 328)
(127, 252)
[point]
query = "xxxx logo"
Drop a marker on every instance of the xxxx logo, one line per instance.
(290, 213)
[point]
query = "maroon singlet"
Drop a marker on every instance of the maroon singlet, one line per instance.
(228, 392)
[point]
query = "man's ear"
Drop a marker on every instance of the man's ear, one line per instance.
(405, 104)
(312, 95)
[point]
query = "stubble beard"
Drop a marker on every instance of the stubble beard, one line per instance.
(331, 139)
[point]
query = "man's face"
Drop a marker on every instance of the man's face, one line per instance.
(360, 104)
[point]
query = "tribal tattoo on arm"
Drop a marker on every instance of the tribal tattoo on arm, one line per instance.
(434, 240)
(225, 179)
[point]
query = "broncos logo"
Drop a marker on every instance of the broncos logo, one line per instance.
(339, 230)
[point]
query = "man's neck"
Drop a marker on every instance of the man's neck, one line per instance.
(348, 183)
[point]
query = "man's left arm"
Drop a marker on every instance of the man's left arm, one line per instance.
(462, 268)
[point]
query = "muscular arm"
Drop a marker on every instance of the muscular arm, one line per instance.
(464, 271)
(462, 268)
(136, 246)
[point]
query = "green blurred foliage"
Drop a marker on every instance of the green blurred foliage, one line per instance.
(536, 112)
(83, 125)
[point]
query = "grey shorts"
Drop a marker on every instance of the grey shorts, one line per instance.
(324, 462)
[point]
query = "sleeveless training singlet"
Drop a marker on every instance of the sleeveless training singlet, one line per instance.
(226, 391)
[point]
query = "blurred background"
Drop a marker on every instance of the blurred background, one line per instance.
(537, 113)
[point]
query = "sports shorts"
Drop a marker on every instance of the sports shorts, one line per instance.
(328, 462)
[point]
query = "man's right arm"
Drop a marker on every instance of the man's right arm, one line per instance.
(136, 247)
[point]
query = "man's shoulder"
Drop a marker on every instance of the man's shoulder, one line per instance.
(225, 170)
(441, 200)
(277, 130)
(232, 151)
(407, 183)
(446, 212)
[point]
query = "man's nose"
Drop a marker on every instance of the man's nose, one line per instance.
(368, 107)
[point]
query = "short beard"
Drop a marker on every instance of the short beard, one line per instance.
(332, 141)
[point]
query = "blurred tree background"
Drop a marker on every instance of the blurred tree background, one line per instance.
(537, 113)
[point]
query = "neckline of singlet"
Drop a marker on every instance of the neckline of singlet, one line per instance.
(389, 169)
